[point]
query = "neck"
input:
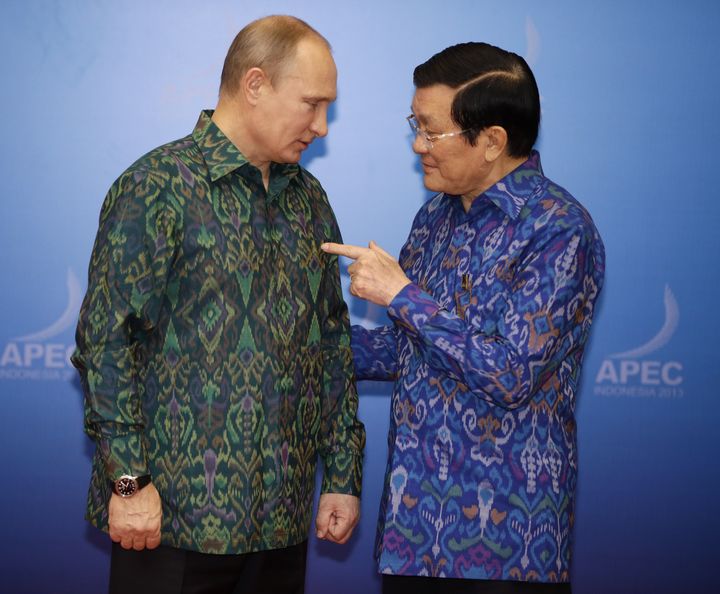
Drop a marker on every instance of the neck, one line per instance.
(501, 167)
(229, 117)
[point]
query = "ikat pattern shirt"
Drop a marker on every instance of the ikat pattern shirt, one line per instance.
(485, 350)
(214, 347)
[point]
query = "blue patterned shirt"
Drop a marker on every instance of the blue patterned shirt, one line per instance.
(485, 350)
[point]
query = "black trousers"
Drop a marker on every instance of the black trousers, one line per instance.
(166, 570)
(401, 584)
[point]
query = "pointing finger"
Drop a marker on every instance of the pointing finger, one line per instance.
(350, 251)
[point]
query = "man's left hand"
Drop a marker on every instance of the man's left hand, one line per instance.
(337, 516)
(375, 275)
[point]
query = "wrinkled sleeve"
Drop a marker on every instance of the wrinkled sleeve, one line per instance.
(545, 316)
(127, 277)
(343, 435)
(375, 353)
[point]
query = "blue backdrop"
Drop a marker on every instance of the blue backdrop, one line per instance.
(630, 97)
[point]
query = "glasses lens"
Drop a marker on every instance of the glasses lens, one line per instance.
(415, 127)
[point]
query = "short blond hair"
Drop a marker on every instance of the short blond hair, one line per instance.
(267, 43)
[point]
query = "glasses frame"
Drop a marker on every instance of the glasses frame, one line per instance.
(430, 139)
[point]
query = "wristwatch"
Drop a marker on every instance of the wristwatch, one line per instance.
(127, 486)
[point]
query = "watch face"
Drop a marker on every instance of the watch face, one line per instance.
(126, 486)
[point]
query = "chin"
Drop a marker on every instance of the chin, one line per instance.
(431, 184)
(293, 157)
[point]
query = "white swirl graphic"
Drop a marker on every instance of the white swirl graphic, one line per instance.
(67, 318)
(672, 317)
(533, 42)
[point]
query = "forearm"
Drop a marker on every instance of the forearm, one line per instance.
(505, 368)
(489, 366)
(374, 353)
(112, 413)
(343, 434)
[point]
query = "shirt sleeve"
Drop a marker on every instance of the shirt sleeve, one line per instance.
(128, 273)
(375, 353)
(343, 435)
(544, 316)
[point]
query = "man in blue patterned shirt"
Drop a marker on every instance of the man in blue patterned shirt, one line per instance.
(491, 303)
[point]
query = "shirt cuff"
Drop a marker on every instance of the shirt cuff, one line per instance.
(412, 307)
(124, 455)
(343, 473)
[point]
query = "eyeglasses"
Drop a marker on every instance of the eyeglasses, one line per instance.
(429, 139)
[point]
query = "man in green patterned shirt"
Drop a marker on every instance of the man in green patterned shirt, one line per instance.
(213, 342)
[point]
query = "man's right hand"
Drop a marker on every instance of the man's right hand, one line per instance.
(135, 521)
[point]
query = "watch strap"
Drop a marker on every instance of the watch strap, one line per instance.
(143, 481)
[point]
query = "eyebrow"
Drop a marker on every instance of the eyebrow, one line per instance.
(319, 98)
(423, 119)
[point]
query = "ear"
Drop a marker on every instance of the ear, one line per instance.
(496, 143)
(253, 83)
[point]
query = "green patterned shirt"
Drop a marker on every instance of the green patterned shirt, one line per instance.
(213, 347)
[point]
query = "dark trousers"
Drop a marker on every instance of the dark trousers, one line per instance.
(166, 570)
(401, 584)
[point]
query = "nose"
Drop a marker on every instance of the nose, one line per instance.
(319, 125)
(419, 145)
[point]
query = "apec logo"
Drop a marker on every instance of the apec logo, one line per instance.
(634, 374)
(40, 355)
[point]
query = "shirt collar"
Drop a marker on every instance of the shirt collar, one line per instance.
(221, 155)
(512, 192)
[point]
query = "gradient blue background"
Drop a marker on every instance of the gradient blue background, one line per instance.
(630, 97)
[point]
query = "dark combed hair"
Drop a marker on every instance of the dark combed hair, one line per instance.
(494, 88)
